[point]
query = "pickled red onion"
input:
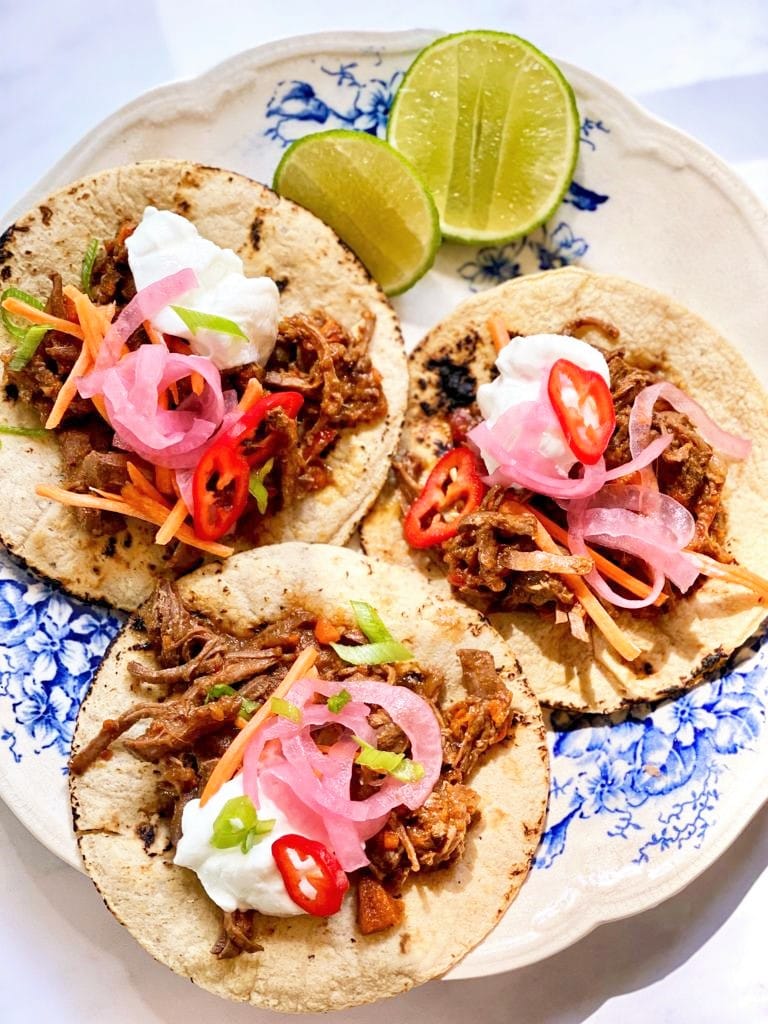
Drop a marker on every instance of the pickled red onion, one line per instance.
(286, 762)
(641, 522)
(520, 471)
(145, 305)
(131, 389)
(642, 412)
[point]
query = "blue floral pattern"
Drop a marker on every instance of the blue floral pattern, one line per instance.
(50, 645)
(348, 102)
(611, 766)
(543, 250)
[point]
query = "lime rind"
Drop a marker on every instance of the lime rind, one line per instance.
(548, 204)
(426, 232)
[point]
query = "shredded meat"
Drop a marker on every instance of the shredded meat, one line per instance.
(111, 277)
(435, 834)
(236, 935)
(688, 470)
(479, 562)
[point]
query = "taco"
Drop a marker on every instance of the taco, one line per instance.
(605, 520)
(421, 772)
(264, 410)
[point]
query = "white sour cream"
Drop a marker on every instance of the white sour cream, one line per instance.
(523, 365)
(164, 243)
(235, 880)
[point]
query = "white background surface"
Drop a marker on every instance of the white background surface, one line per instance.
(701, 65)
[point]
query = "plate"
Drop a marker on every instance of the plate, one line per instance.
(641, 802)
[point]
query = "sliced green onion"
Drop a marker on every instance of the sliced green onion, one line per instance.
(256, 485)
(220, 690)
(27, 347)
(248, 708)
(15, 329)
(338, 701)
(196, 321)
(373, 654)
(383, 647)
(409, 771)
(6, 428)
(285, 709)
(89, 258)
(398, 765)
(238, 824)
(369, 622)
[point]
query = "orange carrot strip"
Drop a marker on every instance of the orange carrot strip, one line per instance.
(232, 757)
(38, 316)
(141, 483)
(148, 511)
(95, 321)
(736, 574)
(635, 586)
(154, 335)
(499, 333)
(170, 527)
(626, 648)
(198, 382)
(68, 389)
(326, 632)
(89, 320)
(251, 395)
(164, 480)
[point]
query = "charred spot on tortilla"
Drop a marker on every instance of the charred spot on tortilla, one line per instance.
(254, 232)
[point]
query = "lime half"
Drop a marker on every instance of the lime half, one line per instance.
(491, 125)
(370, 196)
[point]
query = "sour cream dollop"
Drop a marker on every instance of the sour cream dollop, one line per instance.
(164, 243)
(235, 880)
(524, 365)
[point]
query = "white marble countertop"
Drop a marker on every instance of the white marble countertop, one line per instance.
(701, 65)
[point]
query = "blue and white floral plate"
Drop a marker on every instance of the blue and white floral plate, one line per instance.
(641, 802)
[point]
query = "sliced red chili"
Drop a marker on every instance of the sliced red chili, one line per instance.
(219, 490)
(220, 481)
(584, 407)
(312, 875)
(453, 490)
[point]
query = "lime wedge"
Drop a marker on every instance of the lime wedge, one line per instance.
(370, 196)
(491, 125)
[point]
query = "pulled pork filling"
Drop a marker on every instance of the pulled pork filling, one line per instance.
(314, 355)
(187, 732)
(492, 561)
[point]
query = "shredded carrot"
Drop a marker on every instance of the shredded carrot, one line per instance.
(602, 620)
(94, 321)
(147, 510)
(499, 333)
(635, 586)
(198, 382)
(232, 757)
(141, 483)
(736, 574)
(170, 527)
(68, 389)
(326, 632)
(89, 320)
(251, 395)
(38, 316)
(164, 480)
(154, 335)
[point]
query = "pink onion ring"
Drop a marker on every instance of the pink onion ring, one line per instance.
(174, 438)
(145, 305)
(641, 416)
